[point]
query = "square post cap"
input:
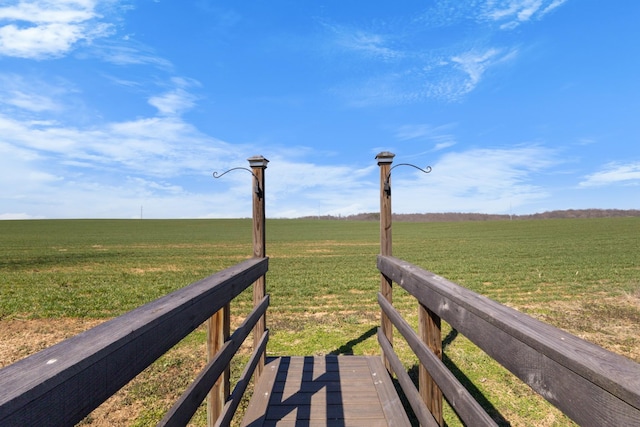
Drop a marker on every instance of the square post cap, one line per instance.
(385, 157)
(257, 162)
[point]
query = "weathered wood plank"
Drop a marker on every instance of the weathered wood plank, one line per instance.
(460, 399)
(311, 390)
(323, 411)
(231, 406)
(184, 408)
(588, 383)
(386, 244)
(63, 383)
(323, 423)
(429, 328)
(410, 391)
(258, 165)
(262, 393)
(218, 330)
(391, 404)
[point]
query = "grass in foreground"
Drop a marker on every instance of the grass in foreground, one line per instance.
(60, 277)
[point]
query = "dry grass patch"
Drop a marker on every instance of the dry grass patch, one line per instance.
(610, 322)
(21, 338)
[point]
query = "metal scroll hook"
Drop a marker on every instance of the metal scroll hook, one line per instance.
(387, 185)
(257, 189)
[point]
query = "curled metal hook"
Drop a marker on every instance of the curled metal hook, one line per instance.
(257, 189)
(387, 185)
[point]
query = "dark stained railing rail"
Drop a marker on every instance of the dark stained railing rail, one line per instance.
(589, 384)
(62, 384)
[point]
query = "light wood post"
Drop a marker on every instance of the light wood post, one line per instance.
(218, 329)
(430, 332)
(258, 165)
(384, 161)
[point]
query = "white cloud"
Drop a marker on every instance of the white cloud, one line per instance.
(507, 13)
(512, 13)
(475, 63)
(129, 52)
(176, 100)
(48, 170)
(30, 95)
(479, 180)
(427, 76)
(439, 135)
(21, 215)
(365, 43)
(614, 173)
(40, 29)
(154, 146)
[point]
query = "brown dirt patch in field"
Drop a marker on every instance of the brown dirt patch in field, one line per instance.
(173, 372)
(610, 322)
(20, 338)
(167, 267)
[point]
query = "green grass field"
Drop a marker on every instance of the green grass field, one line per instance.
(582, 275)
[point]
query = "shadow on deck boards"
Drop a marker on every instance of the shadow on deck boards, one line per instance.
(331, 390)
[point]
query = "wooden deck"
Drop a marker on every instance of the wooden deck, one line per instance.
(339, 391)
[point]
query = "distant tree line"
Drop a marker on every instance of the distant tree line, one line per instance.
(458, 216)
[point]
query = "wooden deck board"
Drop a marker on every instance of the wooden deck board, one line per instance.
(340, 391)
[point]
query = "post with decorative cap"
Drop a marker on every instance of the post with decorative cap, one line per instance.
(384, 161)
(258, 165)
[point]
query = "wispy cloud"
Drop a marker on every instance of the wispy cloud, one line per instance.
(475, 63)
(413, 66)
(29, 95)
(445, 78)
(478, 180)
(614, 173)
(511, 13)
(177, 100)
(440, 136)
(365, 43)
(127, 51)
(108, 170)
(40, 29)
(161, 146)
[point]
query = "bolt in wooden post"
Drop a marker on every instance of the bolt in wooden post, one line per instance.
(258, 165)
(384, 161)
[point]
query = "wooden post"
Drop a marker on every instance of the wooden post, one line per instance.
(219, 325)
(258, 165)
(431, 334)
(384, 161)
(218, 329)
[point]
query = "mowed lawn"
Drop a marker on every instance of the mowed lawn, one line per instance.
(59, 277)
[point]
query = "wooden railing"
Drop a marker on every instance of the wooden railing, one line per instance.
(62, 384)
(589, 384)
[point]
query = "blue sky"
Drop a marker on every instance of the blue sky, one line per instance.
(110, 107)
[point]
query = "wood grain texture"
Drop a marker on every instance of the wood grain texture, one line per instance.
(429, 330)
(235, 398)
(328, 390)
(460, 399)
(184, 408)
(411, 393)
(63, 383)
(386, 240)
(591, 385)
(259, 250)
(218, 330)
